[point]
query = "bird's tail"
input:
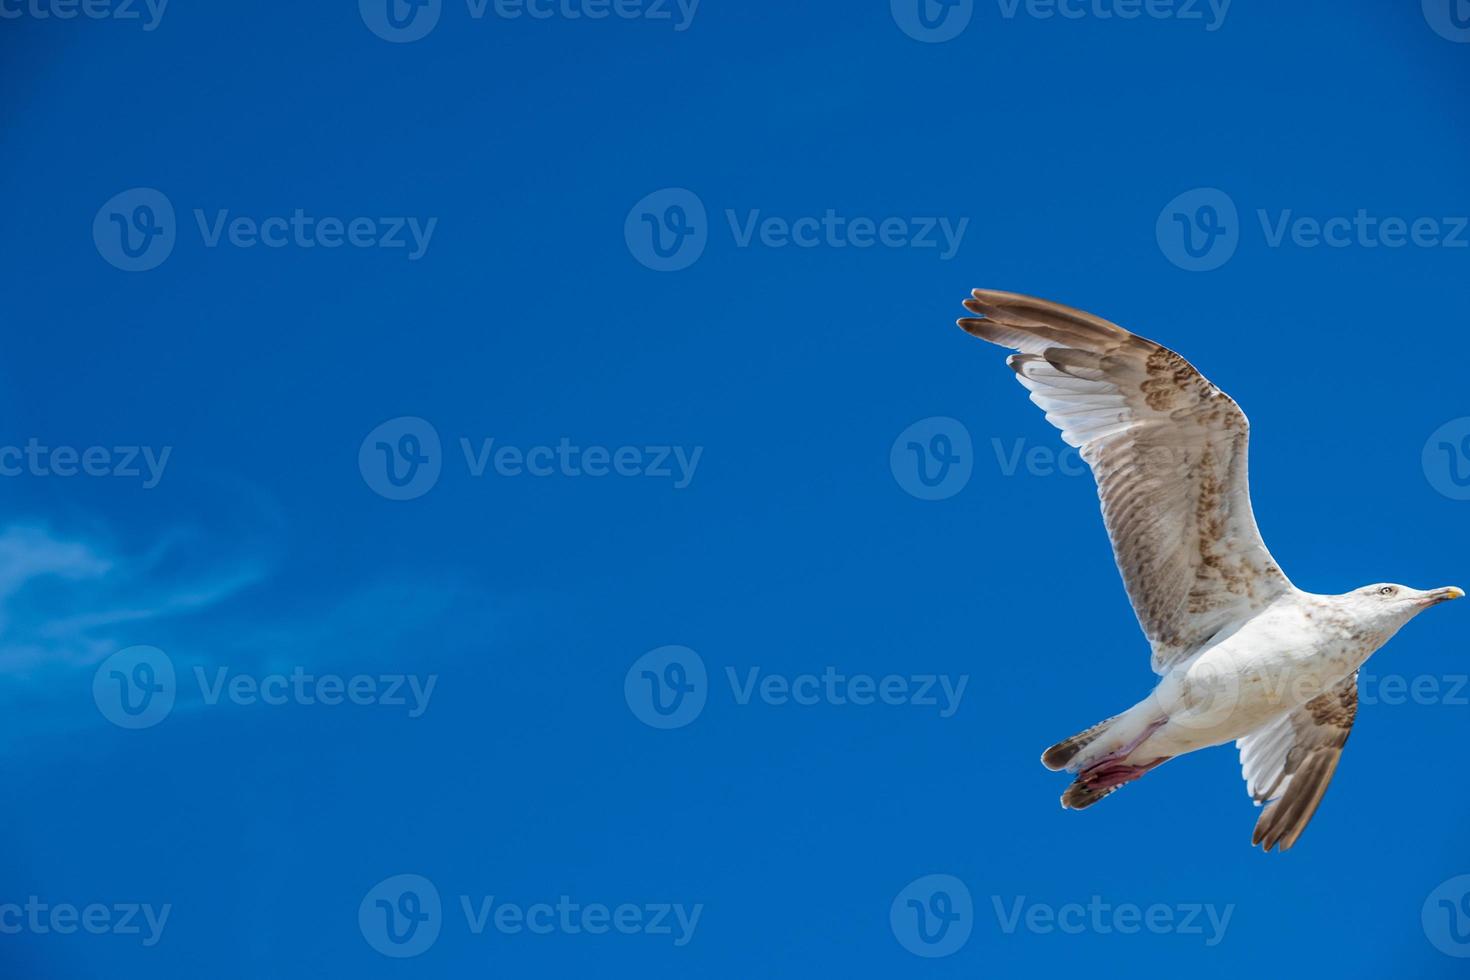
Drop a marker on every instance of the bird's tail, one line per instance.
(1100, 755)
(1061, 754)
(1082, 794)
(1103, 780)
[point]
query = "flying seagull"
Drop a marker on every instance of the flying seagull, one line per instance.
(1242, 654)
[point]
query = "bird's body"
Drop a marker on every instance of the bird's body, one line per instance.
(1242, 654)
(1282, 657)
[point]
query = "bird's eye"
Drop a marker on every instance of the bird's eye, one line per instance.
(1387, 590)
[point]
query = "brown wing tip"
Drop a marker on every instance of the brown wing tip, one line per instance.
(986, 302)
(995, 297)
(989, 302)
(1281, 842)
(1270, 830)
(973, 326)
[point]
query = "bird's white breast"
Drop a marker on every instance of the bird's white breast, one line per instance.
(1283, 657)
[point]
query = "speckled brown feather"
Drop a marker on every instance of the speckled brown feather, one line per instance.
(1168, 450)
(1312, 737)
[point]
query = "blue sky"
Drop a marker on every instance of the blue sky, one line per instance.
(638, 308)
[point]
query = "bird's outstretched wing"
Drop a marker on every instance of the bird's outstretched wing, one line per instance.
(1289, 763)
(1168, 451)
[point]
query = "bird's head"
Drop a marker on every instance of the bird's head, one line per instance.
(1389, 605)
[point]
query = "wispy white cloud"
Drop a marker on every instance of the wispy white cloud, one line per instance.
(64, 596)
(70, 599)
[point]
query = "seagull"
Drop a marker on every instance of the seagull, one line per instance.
(1241, 654)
